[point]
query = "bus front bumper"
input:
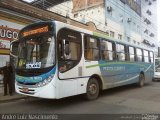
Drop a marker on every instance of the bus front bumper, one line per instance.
(47, 91)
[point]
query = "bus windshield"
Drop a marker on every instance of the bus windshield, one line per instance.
(36, 52)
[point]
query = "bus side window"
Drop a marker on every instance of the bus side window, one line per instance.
(69, 49)
(131, 54)
(106, 50)
(151, 57)
(139, 55)
(146, 56)
(91, 51)
(120, 50)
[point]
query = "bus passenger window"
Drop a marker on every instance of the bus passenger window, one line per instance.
(139, 54)
(151, 57)
(120, 52)
(69, 51)
(146, 57)
(70, 56)
(91, 48)
(106, 50)
(131, 54)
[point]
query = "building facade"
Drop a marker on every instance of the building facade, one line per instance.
(149, 22)
(16, 14)
(10, 24)
(9, 29)
(130, 20)
(134, 21)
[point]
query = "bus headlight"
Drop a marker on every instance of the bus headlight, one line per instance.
(45, 82)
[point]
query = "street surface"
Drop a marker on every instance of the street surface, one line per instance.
(126, 99)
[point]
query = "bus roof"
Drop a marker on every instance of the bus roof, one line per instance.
(83, 30)
(96, 34)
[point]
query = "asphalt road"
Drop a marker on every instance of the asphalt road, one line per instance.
(122, 100)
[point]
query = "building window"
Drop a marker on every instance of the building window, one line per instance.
(139, 54)
(109, 10)
(134, 26)
(121, 18)
(138, 28)
(134, 42)
(76, 15)
(107, 33)
(111, 34)
(119, 36)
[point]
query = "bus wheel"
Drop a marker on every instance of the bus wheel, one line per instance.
(92, 89)
(141, 80)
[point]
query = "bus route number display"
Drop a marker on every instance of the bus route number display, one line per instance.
(33, 65)
(35, 31)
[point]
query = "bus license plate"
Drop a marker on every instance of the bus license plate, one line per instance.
(24, 89)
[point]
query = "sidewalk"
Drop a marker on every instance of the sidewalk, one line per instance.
(9, 98)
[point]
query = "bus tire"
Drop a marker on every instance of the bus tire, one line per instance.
(92, 89)
(141, 80)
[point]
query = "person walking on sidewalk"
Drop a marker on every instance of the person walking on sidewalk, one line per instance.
(7, 79)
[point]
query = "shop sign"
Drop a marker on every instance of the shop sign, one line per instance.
(7, 33)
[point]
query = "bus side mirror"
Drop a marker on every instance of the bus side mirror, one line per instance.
(14, 48)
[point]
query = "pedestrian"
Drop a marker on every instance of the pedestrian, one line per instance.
(7, 79)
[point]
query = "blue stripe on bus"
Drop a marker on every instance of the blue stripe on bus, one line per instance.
(119, 72)
(35, 79)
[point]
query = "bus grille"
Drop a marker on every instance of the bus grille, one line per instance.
(27, 90)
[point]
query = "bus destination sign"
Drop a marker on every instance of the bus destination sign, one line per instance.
(35, 31)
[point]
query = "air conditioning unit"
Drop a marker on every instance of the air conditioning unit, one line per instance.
(109, 8)
(129, 20)
(145, 20)
(151, 35)
(146, 31)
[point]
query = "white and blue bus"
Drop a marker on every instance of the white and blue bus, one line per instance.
(57, 60)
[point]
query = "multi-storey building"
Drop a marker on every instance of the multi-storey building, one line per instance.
(130, 20)
(149, 22)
